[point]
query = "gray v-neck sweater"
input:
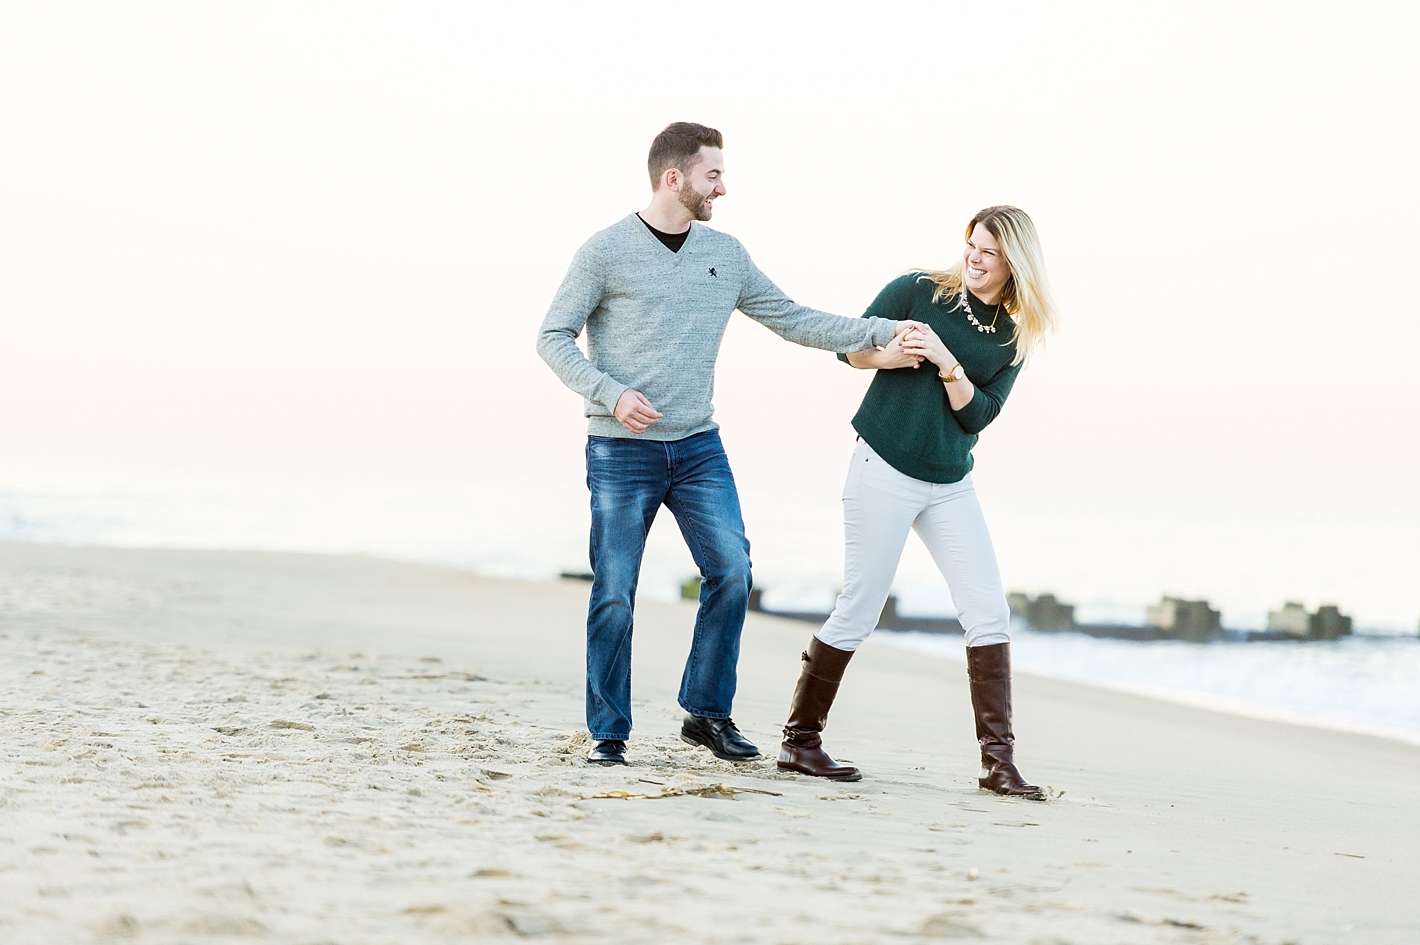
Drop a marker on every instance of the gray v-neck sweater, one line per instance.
(655, 319)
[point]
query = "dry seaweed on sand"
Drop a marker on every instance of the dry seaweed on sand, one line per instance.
(705, 790)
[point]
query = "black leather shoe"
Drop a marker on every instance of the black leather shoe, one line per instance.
(608, 751)
(719, 735)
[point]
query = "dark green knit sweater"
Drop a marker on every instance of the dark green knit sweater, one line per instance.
(905, 416)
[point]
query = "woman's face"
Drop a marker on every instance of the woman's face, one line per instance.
(985, 272)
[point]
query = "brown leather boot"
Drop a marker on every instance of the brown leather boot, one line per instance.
(802, 750)
(989, 670)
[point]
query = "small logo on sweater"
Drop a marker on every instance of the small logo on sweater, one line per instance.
(712, 272)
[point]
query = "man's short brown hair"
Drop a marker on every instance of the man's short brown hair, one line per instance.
(678, 146)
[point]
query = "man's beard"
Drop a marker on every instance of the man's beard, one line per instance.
(698, 205)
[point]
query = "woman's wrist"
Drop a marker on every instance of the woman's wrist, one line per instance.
(951, 374)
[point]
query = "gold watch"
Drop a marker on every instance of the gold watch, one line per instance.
(955, 374)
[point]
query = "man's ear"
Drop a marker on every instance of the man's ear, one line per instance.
(670, 179)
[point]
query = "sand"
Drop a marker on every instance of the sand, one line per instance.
(218, 746)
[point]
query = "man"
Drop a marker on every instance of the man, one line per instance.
(655, 292)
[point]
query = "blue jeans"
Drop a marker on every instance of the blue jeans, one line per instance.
(630, 479)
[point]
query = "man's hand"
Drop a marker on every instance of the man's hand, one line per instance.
(907, 325)
(892, 355)
(635, 412)
(889, 357)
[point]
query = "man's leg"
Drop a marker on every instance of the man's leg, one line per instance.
(706, 505)
(627, 481)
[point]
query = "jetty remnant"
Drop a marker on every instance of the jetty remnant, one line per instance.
(1292, 619)
(1172, 618)
(1328, 623)
(1043, 613)
(1191, 620)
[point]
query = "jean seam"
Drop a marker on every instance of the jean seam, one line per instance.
(607, 462)
(694, 664)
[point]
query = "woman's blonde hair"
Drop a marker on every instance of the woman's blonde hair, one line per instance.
(1027, 296)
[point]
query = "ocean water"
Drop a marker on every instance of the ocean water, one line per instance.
(1363, 683)
(530, 528)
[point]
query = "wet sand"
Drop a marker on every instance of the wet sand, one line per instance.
(212, 746)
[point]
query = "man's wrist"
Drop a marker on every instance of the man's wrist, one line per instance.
(884, 331)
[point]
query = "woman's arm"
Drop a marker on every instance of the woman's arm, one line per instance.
(977, 411)
(974, 409)
(887, 358)
(929, 345)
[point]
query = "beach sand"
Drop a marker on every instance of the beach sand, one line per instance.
(215, 746)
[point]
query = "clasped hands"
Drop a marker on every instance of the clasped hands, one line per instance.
(911, 346)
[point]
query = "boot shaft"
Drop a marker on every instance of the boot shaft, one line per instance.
(988, 668)
(820, 673)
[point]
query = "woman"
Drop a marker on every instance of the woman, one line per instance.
(911, 469)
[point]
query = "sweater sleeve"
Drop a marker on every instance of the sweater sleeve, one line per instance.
(986, 403)
(893, 304)
(575, 301)
(767, 304)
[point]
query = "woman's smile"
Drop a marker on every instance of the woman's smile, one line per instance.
(985, 270)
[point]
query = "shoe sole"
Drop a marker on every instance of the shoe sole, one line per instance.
(1032, 796)
(699, 744)
(847, 777)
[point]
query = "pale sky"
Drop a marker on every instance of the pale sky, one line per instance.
(324, 235)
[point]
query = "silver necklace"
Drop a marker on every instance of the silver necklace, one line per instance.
(971, 316)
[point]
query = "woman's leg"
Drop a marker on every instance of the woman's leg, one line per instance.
(879, 505)
(954, 531)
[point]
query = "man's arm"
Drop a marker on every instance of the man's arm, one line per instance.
(767, 304)
(575, 301)
(889, 357)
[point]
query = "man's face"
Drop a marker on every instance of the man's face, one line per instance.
(705, 181)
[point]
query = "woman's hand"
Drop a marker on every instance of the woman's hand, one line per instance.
(889, 357)
(925, 343)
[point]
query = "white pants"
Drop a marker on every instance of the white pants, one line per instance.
(880, 505)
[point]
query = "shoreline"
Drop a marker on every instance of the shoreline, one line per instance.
(436, 517)
(321, 748)
(899, 638)
(1207, 701)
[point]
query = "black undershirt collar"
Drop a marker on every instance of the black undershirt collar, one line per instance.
(672, 241)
